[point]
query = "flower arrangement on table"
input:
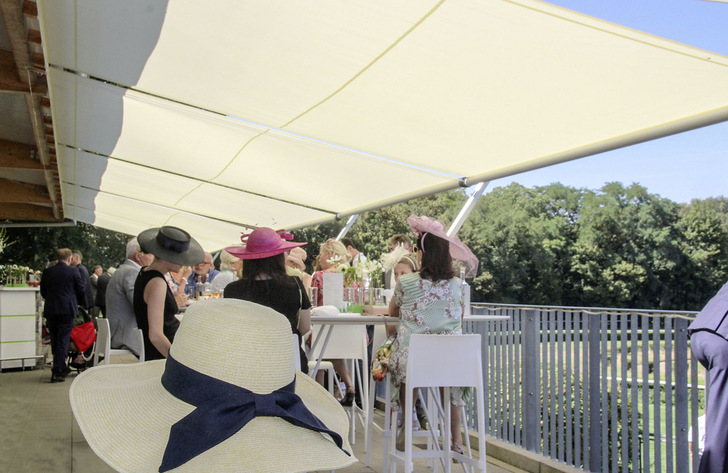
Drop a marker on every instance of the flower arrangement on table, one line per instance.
(14, 275)
(363, 277)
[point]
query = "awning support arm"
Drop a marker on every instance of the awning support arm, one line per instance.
(467, 208)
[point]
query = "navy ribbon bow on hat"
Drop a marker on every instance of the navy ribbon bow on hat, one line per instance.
(222, 410)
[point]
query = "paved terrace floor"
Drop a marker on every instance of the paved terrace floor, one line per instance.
(39, 434)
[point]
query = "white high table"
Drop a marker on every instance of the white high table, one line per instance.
(329, 321)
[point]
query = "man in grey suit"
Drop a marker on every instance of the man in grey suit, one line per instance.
(709, 342)
(62, 288)
(120, 298)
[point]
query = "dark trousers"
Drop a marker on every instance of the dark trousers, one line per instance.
(712, 352)
(59, 329)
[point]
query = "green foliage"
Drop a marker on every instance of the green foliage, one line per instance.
(554, 245)
(35, 247)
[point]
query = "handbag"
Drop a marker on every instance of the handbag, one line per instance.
(380, 360)
(83, 336)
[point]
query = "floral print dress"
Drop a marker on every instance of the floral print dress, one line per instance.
(424, 307)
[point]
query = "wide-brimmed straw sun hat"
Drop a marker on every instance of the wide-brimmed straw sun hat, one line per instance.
(458, 250)
(227, 399)
(263, 242)
(171, 244)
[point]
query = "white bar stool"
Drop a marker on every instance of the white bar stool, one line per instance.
(442, 361)
(348, 342)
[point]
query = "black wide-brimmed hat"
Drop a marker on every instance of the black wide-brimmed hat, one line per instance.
(171, 244)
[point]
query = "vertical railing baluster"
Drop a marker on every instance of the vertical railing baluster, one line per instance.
(657, 393)
(647, 466)
(695, 368)
(579, 380)
(531, 381)
(635, 426)
(552, 388)
(545, 433)
(669, 432)
(560, 389)
(569, 334)
(682, 460)
(511, 385)
(623, 395)
(613, 401)
(518, 332)
(595, 420)
(604, 390)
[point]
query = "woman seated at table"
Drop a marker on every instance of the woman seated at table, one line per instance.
(265, 281)
(332, 253)
(154, 304)
(429, 302)
(231, 268)
(296, 266)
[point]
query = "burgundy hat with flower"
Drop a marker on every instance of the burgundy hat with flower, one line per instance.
(263, 242)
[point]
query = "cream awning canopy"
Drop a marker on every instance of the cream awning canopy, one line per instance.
(217, 115)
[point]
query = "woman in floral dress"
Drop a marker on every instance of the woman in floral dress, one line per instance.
(430, 302)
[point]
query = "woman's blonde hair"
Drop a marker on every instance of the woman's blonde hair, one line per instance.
(332, 248)
(226, 261)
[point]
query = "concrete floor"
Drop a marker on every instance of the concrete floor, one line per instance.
(39, 434)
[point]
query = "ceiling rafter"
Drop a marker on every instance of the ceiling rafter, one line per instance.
(22, 71)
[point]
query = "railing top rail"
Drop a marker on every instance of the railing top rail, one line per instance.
(684, 314)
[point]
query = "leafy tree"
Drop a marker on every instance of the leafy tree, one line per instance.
(627, 248)
(704, 244)
(35, 247)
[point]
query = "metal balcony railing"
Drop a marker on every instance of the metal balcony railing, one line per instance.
(604, 390)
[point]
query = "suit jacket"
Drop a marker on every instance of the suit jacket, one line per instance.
(713, 316)
(89, 298)
(192, 282)
(120, 306)
(62, 288)
(102, 283)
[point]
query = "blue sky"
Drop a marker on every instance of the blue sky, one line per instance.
(681, 167)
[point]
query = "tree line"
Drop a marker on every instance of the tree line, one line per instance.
(616, 246)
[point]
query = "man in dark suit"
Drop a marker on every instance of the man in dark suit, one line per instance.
(62, 288)
(101, 283)
(76, 260)
(709, 343)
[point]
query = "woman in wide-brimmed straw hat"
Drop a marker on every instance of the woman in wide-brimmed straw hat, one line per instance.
(227, 399)
(265, 280)
(429, 301)
(154, 304)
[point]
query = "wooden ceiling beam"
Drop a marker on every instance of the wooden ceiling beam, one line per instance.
(19, 156)
(20, 41)
(10, 81)
(27, 212)
(30, 9)
(16, 193)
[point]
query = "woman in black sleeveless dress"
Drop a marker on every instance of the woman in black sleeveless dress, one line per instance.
(154, 304)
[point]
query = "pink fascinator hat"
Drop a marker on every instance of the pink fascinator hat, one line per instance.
(458, 250)
(263, 242)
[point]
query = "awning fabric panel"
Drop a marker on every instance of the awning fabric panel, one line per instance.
(345, 106)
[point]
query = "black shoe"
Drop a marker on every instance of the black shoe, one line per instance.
(57, 379)
(348, 399)
(66, 372)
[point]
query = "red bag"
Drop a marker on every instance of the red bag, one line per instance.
(83, 336)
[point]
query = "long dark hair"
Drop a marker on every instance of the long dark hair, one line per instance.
(436, 259)
(273, 267)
